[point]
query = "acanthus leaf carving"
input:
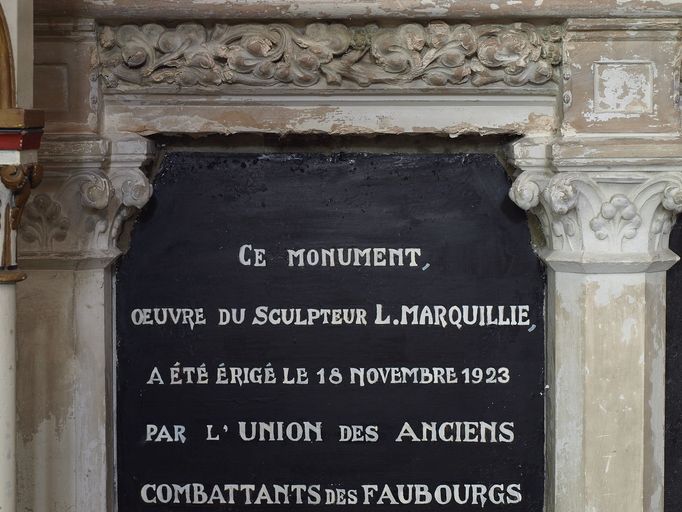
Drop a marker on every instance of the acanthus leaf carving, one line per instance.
(617, 217)
(133, 190)
(44, 222)
(666, 210)
(561, 195)
(437, 54)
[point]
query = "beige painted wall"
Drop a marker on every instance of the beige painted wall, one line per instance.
(19, 14)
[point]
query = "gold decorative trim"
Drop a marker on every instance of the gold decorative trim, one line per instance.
(12, 276)
(17, 118)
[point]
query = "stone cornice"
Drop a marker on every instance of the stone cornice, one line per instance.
(328, 55)
(354, 9)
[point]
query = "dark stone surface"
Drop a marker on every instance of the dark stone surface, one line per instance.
(184, 254)
(673, 399)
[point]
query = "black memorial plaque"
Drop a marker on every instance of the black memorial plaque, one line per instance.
(439, 414)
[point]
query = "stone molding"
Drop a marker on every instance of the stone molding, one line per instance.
(76, 219)
(333, 55)
(354, 9)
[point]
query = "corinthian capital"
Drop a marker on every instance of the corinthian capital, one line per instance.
(90, 188)
(606, 220)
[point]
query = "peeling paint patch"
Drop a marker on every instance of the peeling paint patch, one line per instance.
(623, 87)
(102, 3)
(628, 329)
(657, 2)
(605, 294)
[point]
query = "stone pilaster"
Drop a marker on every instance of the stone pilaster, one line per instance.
(606, 192)
(606, 248)
(68, 240)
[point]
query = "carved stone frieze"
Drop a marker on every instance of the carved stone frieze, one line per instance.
(437, 54)
(583, 215)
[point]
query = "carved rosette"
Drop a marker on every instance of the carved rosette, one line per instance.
(16, 183)
(602, 217)
(437, 54)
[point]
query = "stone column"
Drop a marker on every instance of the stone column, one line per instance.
(604, 195)
(606, 254)
(69, 239)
